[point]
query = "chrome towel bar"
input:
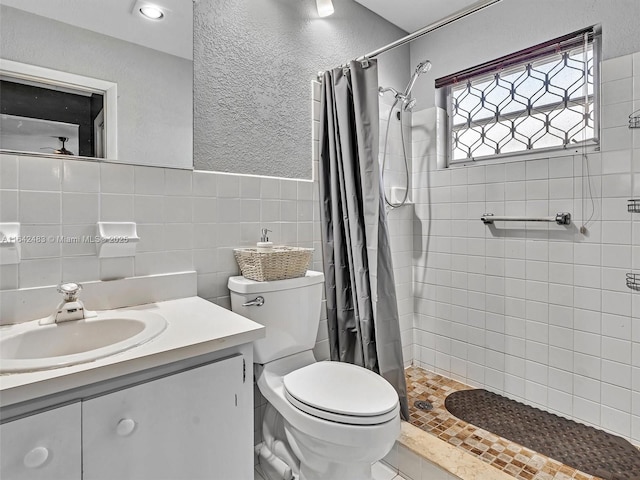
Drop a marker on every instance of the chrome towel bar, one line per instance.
(562, 218)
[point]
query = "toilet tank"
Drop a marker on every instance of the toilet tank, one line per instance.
(291, 313)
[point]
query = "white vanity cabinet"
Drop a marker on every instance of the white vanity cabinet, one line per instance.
(178, 407)
(44, 446)
(191, 425)
(184, 422)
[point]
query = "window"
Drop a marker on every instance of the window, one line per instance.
(541, 98)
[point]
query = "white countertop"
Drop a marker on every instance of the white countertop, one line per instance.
(194, 327)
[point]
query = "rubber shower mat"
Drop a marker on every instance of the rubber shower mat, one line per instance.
(584, 448)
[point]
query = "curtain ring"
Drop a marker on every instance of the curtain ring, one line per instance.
(365, 63)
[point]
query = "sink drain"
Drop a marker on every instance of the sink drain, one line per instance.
(423, 405)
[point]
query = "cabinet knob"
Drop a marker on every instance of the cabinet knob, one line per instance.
(36, 457)
(125, 427)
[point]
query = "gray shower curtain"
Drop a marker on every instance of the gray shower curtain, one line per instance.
(361, 299)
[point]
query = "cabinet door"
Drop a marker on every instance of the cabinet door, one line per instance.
(45, 446)
(190, 425)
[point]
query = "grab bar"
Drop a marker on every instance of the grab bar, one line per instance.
(561, 218)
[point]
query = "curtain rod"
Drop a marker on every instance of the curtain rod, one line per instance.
(476, 7)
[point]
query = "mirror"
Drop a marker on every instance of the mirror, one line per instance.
(130, 76)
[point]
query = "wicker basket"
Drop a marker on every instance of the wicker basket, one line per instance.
(279, 264)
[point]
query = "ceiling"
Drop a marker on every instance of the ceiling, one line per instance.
(173, 35)
(412, 15)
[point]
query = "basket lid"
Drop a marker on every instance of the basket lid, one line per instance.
(241, 284)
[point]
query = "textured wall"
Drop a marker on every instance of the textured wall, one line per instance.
(254, 62)
(512, 25)
(155, 114)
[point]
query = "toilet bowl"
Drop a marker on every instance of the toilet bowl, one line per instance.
(324, 420)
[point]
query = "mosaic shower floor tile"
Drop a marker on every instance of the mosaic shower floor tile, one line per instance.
(518, 461)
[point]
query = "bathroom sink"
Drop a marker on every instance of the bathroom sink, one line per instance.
(31, 346)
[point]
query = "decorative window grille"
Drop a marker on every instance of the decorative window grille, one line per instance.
(541, 98)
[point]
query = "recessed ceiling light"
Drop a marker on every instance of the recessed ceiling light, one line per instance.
(325, 8)
(151, 12)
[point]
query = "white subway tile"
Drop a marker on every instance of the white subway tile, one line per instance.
(587, 254)
(616, 373)
(205, 210)
(178, 236)
(40, 272)
(178, 182)
(587, 298)
(586, 388)
(561, 167)
(39, 207)
(177, 209)
(614, 115)
(618, 327)
(116, 208)
(35, 173)
(616, 138)
(116, 178)
(616, 421)
(9, 171)
(587, 276)
(561, 358)
(80, 269)
(615, 349)
(151, 237)
(616, 256)
(616, 303)
(537, 169)
(560, 188)
(204, 184)
(561, 316)
(588, 365)
(586, 410)
(148, 208)
(81, 176)
(80, 208)
(148, 180)
(617, 68)
(617, 91)
(536, 393)
(537, 189)
(9, 279)
(114, 268)
(8, 205)
(476, 175)
(44, 241)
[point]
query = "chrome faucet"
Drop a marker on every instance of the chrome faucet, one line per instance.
(71, 308)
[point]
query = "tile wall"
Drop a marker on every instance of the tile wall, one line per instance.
(538, 312)
(187, 220)
(400, 219)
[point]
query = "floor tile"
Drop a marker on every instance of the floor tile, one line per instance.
(518, 461)
(382, 472)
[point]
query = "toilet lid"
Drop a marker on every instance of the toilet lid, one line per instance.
(337, 391)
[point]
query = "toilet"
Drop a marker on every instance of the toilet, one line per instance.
(324, 420)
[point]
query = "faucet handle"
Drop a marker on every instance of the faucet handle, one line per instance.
(70, 291)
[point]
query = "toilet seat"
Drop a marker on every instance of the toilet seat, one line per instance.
(342, 392)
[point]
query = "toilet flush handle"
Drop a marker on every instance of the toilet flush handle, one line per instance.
(256, 302)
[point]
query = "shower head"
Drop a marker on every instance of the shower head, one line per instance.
(423, 67)
(408, 106)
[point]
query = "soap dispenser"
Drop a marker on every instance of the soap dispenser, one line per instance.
(264, 245)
